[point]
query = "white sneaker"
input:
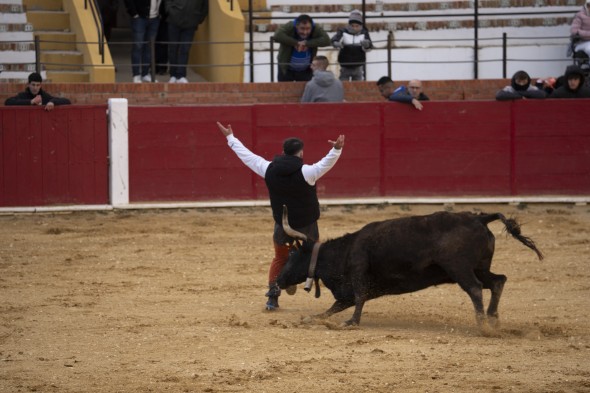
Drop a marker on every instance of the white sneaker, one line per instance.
(148, 78)
(172, 79)
(137, 79)
(182, 80)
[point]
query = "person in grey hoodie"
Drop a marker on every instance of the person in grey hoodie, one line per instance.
(183, 18)
(323, 86)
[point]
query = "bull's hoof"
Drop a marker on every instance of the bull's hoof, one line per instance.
(351, 324)
(494, 322)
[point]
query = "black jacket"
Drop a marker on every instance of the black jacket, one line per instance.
(138, 7)
(287, 186)
(25, 97)
(564, 90)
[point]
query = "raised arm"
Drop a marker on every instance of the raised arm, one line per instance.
(256, 163)
(312, 173)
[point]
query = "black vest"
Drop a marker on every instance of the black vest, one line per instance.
(287, 186)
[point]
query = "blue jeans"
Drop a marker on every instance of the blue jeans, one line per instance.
(179, 45)
(144, 30)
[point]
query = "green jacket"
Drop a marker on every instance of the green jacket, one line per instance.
(186, 14)
(285, 35)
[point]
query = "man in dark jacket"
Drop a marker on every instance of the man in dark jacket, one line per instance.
(520, 87)
(292, 183)
(35, 95)
(412, 94)
(183, 18)
(300, 40)
(574, 86)
(145, 20)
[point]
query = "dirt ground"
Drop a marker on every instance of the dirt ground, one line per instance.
(173, 301)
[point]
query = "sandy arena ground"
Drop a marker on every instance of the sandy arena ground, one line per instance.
(172, 301)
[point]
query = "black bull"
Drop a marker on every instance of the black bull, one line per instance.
(405, 255)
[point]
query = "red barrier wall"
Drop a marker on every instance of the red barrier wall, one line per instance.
(460, 148)
(449, 149)
(53, 158)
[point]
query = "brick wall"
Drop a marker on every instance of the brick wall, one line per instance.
(245, 93)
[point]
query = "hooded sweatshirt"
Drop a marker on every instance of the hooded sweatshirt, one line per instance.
(517, 92)
(323, 87)
(564, 91)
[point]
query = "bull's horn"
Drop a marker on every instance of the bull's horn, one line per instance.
(288, 230)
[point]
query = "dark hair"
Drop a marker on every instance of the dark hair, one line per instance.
(384, 80)
(303, 18)
(35, 77)
(324, 62)
(292, 146)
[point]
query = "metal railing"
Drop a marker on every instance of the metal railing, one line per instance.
(389, 45)
(98, 23)
(475, 15)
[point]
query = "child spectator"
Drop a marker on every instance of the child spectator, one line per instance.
(353, 41)
(580, 29)
(520, 87)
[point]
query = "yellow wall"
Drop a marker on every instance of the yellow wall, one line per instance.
(82, 23)
(222, 25)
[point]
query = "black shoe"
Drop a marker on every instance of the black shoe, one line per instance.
(273, 297)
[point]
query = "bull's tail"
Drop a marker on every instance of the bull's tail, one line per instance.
(513, 228)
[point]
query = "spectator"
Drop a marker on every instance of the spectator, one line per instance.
(353, 41)
(573, 86)
(547, 85)
(323, 87)
(300, 40)
(144, 26)
(580, 29)
(161, 49)
(411, 95)
(290, 183)
(184, 17)
(108, 13)
(35, 95)
(520, 87)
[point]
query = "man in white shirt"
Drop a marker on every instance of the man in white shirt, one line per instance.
(290, 183)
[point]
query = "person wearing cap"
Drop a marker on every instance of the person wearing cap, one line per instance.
(35, 95)
(573, 86)
(580, 29)
(300, 40)
(412, 94)
(292, 183)
(353, 42)
(323, 87)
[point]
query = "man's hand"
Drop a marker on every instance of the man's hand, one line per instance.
(338, 143)
(225, 131)
(37, 100)
(301, 46)
(49, 106)
(417, 104)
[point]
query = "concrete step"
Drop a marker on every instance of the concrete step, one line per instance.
(48, 5)
(68, 76)
(62, 60)
(49, 20)
(57, 40)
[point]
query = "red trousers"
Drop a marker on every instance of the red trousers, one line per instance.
(280, 259)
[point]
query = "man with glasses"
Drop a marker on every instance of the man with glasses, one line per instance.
(412, 94)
